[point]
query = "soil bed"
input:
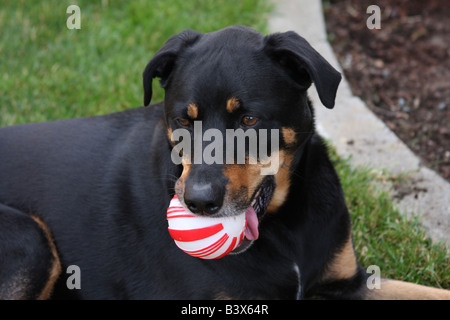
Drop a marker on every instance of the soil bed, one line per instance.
(401, 71)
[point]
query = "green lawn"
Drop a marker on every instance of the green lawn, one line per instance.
(49, 72)
(384, 237)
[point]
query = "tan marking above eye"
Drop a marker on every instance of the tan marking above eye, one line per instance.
(288, 135)
(192, 111)
(233, 104)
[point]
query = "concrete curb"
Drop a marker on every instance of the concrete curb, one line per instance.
(357, 132)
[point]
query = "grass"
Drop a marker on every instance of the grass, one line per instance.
(48, 72)
(384, 237)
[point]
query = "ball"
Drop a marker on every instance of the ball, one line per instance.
(204, 237)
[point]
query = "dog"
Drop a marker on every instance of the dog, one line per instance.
(93, 192)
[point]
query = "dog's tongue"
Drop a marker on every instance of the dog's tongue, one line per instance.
(251, 232)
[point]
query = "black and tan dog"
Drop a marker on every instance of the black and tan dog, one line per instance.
(93, 192)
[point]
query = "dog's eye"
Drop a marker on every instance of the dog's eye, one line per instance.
(183, 122)
(249, 121)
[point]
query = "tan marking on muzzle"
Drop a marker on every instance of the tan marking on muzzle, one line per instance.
(283, 182)
(242, 177)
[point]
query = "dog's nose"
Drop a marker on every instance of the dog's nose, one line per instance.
(203, 199)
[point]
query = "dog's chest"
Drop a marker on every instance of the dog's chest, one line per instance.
(275, 282)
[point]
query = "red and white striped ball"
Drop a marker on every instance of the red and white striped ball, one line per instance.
(204, 237)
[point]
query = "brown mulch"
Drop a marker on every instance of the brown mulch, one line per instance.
(401, 71)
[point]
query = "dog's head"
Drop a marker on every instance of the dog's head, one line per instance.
(221, 89)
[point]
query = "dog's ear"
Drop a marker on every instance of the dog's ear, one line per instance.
(303, 64)
(162, 63)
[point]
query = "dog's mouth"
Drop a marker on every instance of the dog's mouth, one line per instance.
(255, 213)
